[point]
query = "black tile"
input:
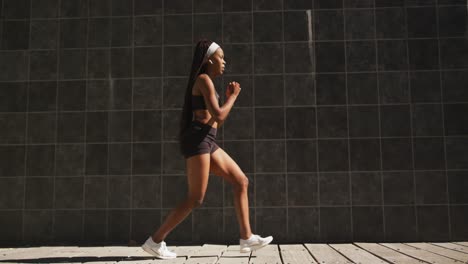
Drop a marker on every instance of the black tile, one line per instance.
(73, 33)
(44, 34)
(299, 59)
(43, 65)
(231, 232)
(392, 55)
(65, 235)
(98, 63)
(121, 34)
(458, 220)
(453, 86)
(204, 6)
(332, 122)
(120, 64)
(400, 223)
(270, 190)
(172, 58)
(143, 62)
(146, 125)
(44, 8)
(296, 26)
(72, 64)
(237, 27)
(389, 3)
(41, 128)
(146, 192)
(14, 95)
(452, 20)
(390, 16)
(300, 89)
(393, 87)
(427, 120)
(119, 192)
(269, 90)
(425, 87)
(422, 22)
(267, 26)
(395, 120)
(96, 159)
(269, 156)
(182, 233)
(457, 186)
(174, 191)
(358, 3)
(239, 58)
(242, 152)
(272, 222)
(295, 4)
(398, 187)
(17, 9)
(239, 125)
(455, 122)
(95, 227)
(214, 192)
(15, 125)
(366, 188)
(37, 226)
(100, 8)
(268, 58)
(433, 223)
(246, 83)
(302, 189)
(234, 5)
(328, 4)
(177, 6)
(99, 32)
(335, 224)
(268, 4)
(396, 154)
(208, 26)
(118, 224)
(172, 160)
(40, 160)
(269, 123)
(96, 126)
(331, 89)
(120, 126)
(300, 122)
(364, 154)
(301, 155)
(428, 153)
(172, 90)
(143, 7)
(330, 56)
(304, 228)
(69, 160)
(359, 23)
(333, 155)
(208, 225)
(368, 224)
(95, 192)
(12, 160)
(71, 127)
(329, 25)
(69, 192)
(334, 188)
(147, 93)
(144, 223)
(360, 56)
(423, 54)
(431, 187)
(147, 31)
(37, 192)
(119, 159)
(177, 29)
(362, 88)
(73, 8)
(146, 158)
(363, 121)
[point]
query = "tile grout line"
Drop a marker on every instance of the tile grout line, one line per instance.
(132, 39)
(377, 71)
(444, 136)
(109, 120)
(161, 178)
(252, 82)
(83, 173)
(285, 168)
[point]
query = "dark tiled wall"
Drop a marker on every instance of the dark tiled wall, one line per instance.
(352, 123)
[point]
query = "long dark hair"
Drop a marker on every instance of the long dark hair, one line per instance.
(198, 67)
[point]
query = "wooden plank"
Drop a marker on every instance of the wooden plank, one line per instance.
(462, 243)
(266, 255)
(234, 251)
(233, 260)
(388, 254)
(186, 251)
(441, 251)
(452, 246)
(323, 253)
(208, 250)
(178, 260)
(201, 260)
(296, 254)
(420, 254)
(357, 254)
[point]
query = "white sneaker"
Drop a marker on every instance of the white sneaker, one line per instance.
(253, 243)
(158, 249)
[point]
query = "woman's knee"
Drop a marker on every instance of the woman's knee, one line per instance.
(242, 183)
(195, 201)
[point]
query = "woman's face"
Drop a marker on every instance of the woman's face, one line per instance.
(218, 61)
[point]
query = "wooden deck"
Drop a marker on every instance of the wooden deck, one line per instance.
(372, 253)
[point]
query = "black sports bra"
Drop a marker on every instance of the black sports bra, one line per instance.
(198, 102)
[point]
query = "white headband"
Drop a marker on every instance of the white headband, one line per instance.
(211, 49)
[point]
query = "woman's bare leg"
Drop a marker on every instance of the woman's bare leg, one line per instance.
(197, 168)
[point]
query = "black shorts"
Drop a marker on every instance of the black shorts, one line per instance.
(199, 139)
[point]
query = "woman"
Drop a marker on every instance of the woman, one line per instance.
(197, 139)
